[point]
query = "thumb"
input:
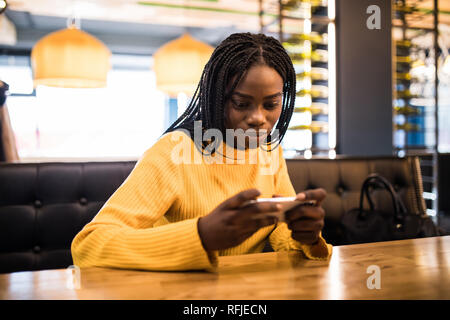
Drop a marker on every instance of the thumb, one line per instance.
(240, 198)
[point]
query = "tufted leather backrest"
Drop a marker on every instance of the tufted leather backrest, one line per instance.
(342, 178)
(44, 205)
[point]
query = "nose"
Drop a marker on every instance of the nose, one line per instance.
(256, 118)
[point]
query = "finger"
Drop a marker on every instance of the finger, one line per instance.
(306, 237)
(240, 198)
(254, 211)
(314, 194)
(306, 225)
(305, 212)
(261, 223)
(257, 224)
(260, 207)
(252, 226)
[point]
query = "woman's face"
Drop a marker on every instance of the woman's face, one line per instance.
(256, 103)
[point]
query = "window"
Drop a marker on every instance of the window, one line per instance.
(119, 121)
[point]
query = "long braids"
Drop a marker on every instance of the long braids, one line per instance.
(229, 61)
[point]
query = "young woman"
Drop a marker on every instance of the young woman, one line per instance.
(184, 203)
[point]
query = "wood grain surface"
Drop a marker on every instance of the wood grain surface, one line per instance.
(409, 269)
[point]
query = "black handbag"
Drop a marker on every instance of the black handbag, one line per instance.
(361, 226)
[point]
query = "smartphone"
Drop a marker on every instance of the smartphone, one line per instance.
(287, 203)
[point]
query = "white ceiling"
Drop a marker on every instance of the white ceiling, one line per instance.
(134, 27)
(141, 27)
(242, 14)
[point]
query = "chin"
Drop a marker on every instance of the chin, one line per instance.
(254, 142)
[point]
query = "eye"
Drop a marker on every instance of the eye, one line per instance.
(271, 105)
(240, 104)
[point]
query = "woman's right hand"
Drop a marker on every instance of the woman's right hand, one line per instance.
(228, 225)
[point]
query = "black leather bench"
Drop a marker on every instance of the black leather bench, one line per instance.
(44, 205)
(342, 179)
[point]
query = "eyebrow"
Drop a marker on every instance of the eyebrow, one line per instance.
(243, 95)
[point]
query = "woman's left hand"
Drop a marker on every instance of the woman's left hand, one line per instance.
(306, 222)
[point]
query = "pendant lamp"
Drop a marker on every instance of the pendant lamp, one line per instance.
(70, 58)
(179, 65)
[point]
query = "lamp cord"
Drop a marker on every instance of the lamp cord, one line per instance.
(74, 21)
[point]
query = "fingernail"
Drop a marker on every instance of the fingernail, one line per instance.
(279, 207)
(301, 196)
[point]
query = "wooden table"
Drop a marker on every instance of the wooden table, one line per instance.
(409, 269)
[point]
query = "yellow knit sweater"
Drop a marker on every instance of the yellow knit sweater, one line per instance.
(150, 222)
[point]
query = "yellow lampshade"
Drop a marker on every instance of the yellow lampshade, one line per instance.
(70, 58)
(179, 64)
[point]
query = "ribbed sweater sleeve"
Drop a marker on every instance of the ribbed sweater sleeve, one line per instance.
(123, 235)
(281, 239)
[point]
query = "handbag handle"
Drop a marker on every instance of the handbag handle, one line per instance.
(372, 179)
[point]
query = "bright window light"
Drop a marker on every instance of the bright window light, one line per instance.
(18, 78)
(119, 121)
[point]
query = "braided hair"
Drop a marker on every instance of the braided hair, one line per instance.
(229, 62)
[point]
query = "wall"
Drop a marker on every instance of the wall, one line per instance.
(364, 79)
